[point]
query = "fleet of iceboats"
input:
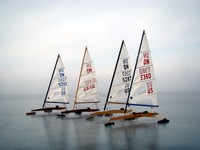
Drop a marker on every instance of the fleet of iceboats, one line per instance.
(130, 87)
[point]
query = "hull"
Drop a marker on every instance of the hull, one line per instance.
(163, 121)
(49, 109)
(109, 112)
(134, 115)
(79, 111)
(30, 113)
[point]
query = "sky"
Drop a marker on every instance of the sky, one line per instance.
(33, 33)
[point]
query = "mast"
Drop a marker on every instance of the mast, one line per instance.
(134, 70)
(51, 80)
(113, 75)
(79, 78)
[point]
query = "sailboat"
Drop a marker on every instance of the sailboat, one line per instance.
(143, 86)
(120, 84)
(87, 89)
(57, 92)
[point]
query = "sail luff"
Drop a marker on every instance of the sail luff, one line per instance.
(79, 78)
(51, 80)
(134, 70)
(113, 75)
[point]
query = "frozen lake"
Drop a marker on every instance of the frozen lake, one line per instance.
(47, 131)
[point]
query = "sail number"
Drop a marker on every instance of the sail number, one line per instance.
(150, 89)
(90, 84)
(89, 87)
(62, 81)
(63, 91)
(126, 75)
(126, 79)
(145, 73)
(127, 88)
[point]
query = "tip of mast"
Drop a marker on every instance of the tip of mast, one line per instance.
(123, 42)
(144, 31)
(86, 47)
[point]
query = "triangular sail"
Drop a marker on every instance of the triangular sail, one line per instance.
(58, 86)
(87, 89)
(143, 89)
(120, 84)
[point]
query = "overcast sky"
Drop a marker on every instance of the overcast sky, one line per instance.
(33, 32)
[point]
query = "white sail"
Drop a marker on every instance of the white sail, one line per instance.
(58, 91)
(143, 91)
(87, 89)
(121, 79)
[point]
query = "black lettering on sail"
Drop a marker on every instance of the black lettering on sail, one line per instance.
(125, 63)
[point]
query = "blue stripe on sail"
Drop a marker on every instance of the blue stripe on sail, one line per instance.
(144, 105)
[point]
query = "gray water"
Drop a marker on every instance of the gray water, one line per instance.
(47, 131)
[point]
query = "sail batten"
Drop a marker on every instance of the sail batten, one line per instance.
(146, 66)
(118, 85)
(144, 81)
(87, 74)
